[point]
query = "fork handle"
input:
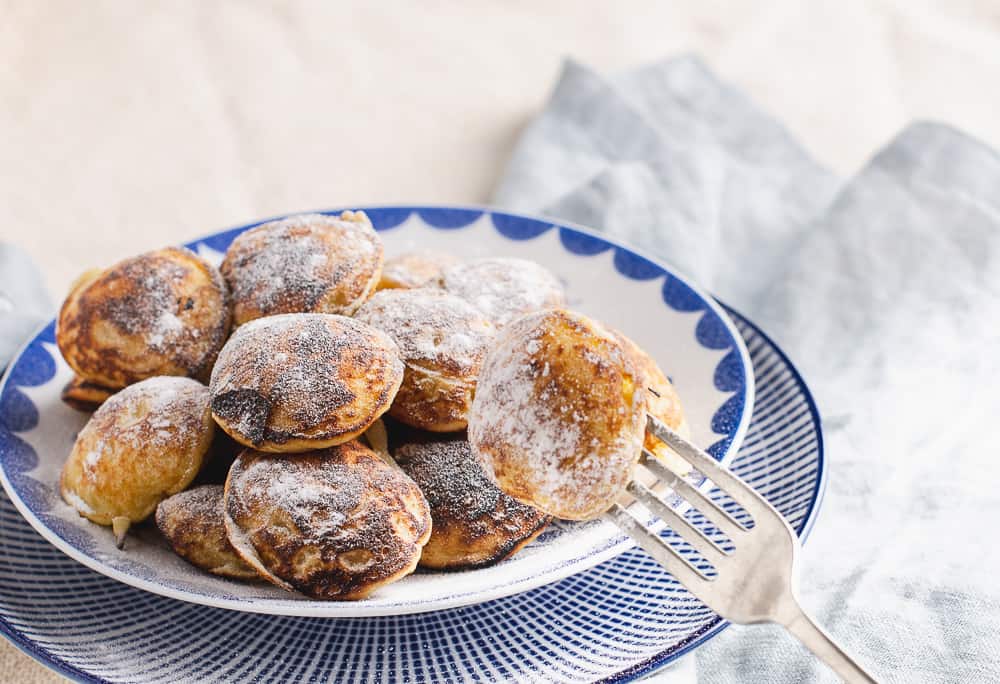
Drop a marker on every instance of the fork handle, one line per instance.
(824, 647)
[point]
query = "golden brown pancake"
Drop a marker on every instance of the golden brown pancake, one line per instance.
(442, 340)
(300, 264)
(334, 524)
(161, 313)
(662, 401)
(303, 381)
(475, 524)
(192, 521)
(143, 444)
(559, 414)
(84, 395)
(503, 288)
(422, 268)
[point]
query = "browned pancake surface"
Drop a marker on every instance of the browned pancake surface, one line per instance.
(422, 268)
(192, 521)
(559, 414)
(302, 381)
(161, 313)
(306, 263)
(442, 340)
(475, 524)
(334, 524)
(143, 444)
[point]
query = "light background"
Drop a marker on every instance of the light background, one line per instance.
(126, 126)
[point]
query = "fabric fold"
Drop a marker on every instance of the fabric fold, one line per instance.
(885, 290)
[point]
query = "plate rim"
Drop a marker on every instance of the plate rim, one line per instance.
(610, 549)
(55, 663)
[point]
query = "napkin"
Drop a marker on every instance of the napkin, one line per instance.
(885, 291)
(24, 301)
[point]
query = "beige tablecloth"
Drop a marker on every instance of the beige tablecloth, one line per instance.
(125, 126)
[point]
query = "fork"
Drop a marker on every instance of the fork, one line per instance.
(755, 579)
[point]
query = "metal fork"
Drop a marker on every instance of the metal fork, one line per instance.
(756, 578)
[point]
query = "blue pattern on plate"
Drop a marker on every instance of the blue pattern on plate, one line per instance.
(597, 625)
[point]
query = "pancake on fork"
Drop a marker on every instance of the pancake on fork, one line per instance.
(160, 313)
(303, 381)
(663, 402)
(334, 524)
(559, 414)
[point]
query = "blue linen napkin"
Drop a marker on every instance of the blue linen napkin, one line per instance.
(884, 289)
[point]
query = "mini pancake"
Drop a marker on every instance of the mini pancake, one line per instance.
(442, 340)
(559, 414)
(160, 313)
(422, 268)
(475, 524)
(192, 521)
(663, 402)
(301, 264)
(303, 381)
(143, 444)
(84, 395)
(504, 289)
(334, 524)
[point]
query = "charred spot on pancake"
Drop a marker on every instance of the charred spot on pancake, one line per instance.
(248, 408)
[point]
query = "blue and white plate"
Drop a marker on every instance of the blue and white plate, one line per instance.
(693, 339)
(614, 622)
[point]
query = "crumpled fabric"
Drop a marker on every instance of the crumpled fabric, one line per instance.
(883, 288)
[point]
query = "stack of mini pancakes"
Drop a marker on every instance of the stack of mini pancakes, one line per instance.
(346, 387)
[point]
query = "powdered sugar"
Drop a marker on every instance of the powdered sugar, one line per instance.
(421, 268)
(546, 419)
(159, 411)
(309, 262)
(151, 309)
(303, 376)
(452, 479)
(318, 498)
(504, 288)
(432, 328)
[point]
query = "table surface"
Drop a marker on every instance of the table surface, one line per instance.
(128, 126)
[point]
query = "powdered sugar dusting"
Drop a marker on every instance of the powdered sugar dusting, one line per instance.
(303, 262)
(318, 498)
(303, 375)
(421, 268)
(546, 416)
(504, 288)
(151, 309)
(151, 414)
(432, 328)
(455, 483)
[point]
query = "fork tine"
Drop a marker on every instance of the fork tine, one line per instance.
(678, 523)
(664, 554)
(709, 467)
(711, 510)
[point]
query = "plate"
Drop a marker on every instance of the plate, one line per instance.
(616, 622)
(689, 333)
